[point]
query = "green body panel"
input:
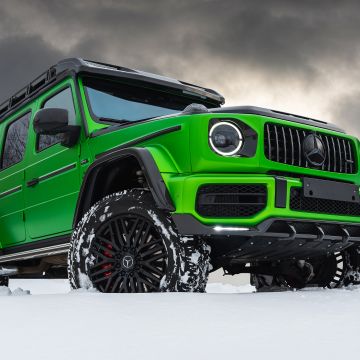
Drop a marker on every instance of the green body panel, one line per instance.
(173, 146)
(183, 157)
(11, 213)
(45, 210)
(12, 180)
(49, 204)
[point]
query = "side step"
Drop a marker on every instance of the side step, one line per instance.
(8, 271)
(35, 253)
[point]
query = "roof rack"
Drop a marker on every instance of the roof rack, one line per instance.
(78, 65)
(27, 91)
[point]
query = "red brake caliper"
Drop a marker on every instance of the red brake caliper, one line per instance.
(107, 266)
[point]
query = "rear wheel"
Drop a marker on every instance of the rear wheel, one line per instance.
(125, 244)
(337, 270)
(333, 271)
(329, 271)
(352, 262)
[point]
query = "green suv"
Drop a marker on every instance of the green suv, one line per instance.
(128, 181)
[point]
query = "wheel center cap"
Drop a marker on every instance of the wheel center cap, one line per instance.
(127, 262)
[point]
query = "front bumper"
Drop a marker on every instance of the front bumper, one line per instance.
(275, 228)
(184, 192)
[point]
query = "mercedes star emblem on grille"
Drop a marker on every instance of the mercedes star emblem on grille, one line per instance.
(314, 150)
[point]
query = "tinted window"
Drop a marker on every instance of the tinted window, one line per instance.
(62, 100)
(112, 101)
(15, 141)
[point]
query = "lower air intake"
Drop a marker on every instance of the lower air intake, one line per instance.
(299, 202)
(231, 201)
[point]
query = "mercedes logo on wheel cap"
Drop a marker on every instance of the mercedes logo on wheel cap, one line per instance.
(128, 262)
(314, 150)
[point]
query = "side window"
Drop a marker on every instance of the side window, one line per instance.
(15, 141)
(62, 100)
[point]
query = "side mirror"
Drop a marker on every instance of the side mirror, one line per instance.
(56, 121)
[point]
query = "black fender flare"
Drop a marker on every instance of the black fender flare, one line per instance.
(149, 168)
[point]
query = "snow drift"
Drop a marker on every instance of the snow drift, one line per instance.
(228, 322)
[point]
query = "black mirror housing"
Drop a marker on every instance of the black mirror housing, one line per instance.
(51, 121)
(54, 121)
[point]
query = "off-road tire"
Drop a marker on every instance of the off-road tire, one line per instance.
(334, 271)
(352, 271)
(184, 266)
(337, 270)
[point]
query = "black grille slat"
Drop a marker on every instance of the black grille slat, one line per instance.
(283, 144)
(304, 136)
(334, 154)
(351, 158)
(340, 156)
(231, 200)
(345, 155)
(269, 141)
(322, 138)
(299, 144)
(292, 146)
(328, 152)
(285, 147)
(277, 144)
(298, 202)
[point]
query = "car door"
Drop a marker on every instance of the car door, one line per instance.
(13, 145)
(52, 178)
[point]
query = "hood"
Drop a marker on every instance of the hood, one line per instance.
(277, 115)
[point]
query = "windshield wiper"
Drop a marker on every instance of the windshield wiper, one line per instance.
(115, 121)
(121, 122)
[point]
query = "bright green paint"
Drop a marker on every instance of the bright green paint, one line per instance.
(183, 157)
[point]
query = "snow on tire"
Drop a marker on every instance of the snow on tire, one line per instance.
(352, 266)
(125, 244)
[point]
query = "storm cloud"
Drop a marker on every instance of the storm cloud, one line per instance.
(296, 56)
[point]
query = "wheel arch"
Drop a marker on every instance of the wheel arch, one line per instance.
(123, 169)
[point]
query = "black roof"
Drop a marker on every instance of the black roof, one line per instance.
(78, 65)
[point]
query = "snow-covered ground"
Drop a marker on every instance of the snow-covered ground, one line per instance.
(229, 322)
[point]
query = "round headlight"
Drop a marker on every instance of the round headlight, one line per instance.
(225, 138)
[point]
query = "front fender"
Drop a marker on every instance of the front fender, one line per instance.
(148, 166)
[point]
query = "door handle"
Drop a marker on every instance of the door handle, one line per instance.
(32, 182)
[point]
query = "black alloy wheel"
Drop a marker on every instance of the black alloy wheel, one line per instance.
(130, 256)
(125, 244)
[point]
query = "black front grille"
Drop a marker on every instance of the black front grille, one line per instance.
(230, 200)
(299, 202)
(284, 144)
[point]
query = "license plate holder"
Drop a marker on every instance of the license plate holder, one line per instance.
(330, 190)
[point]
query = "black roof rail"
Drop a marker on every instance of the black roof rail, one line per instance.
(78, 65)
(27, 91)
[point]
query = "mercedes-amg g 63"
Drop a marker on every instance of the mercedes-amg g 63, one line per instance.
(133, 182)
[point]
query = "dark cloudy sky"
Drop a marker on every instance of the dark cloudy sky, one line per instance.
(297, 56)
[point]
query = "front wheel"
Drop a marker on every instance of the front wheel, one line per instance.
(125, 244)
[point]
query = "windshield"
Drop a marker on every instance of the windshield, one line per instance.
(118, 102)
